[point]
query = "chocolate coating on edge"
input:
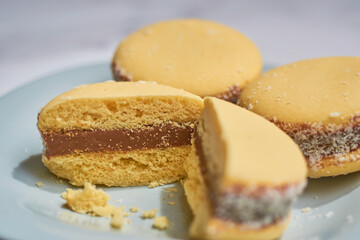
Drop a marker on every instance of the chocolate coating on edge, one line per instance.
(76, 141)
(256, 207)
(118, 76)
(231, 95)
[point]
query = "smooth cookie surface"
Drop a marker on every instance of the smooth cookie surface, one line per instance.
(202, 57)
(323, 90)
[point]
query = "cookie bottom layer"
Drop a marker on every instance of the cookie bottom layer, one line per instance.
(220, 229)
(151, 167)
(332, 166)
(329, 149)
(206, 225)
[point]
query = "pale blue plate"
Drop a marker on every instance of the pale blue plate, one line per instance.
(30, 212)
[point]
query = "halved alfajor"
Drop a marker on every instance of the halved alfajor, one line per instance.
(243, 175)
(119, 134)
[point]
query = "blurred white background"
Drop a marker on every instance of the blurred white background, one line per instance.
(41, 37)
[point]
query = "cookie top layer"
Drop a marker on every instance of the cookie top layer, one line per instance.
(113, 105)
(255, 150)
(112, 89)
(202, 57)
(323, 90)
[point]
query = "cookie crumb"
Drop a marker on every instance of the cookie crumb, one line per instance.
(171, 203)
(117, 221)
(39, 184)
(134, 209)
(126, 214)
(170, 189)
(149, 214)
(103, 211)
(154, 184)
(161, 223)
(306, 210)
(171, 195)
(84, 200)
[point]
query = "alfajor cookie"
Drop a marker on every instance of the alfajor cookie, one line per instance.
(316, 102)
(199, 56)
(243, 175)
(119, 133)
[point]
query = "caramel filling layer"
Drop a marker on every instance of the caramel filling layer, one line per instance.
(256, 207)
(77, 141)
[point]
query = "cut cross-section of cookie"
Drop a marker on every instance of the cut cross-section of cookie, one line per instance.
(243, 175)
(119, 134)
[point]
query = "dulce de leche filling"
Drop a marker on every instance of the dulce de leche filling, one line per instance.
(77, 141)
(256, 207)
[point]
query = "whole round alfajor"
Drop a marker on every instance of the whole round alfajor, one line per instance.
(316, 102)
(203, 57)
